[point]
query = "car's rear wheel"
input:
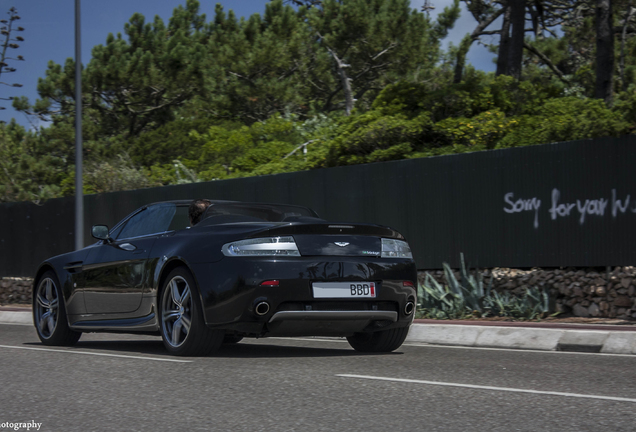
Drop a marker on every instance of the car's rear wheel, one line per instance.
(49, 313)
(183, 328)
(380, 341)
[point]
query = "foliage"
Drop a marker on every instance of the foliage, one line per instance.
(469, 297)
(534, 304)
(566, 119)
(372, 137)
(9, 43)
(480, 132)
(377, 41)
(31, 167)
(196, 100)
(115, 175)
(171, 141)
(439, 302)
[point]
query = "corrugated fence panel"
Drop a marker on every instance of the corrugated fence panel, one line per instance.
(564, 204)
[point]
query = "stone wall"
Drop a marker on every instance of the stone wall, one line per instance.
(578, 292)
(15, 290)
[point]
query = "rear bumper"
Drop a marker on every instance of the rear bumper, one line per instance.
(231, 288)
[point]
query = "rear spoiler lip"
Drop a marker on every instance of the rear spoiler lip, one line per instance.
(329, 228)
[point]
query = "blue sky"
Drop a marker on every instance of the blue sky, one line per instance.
(50, 34)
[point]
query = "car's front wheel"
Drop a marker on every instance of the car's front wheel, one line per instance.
(49, 313)
(183, 328)
(380, 341)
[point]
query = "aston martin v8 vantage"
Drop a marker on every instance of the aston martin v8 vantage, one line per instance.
(244, 270)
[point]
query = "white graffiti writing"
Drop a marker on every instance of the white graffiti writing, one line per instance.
(617, 206)
(587, 207)
(559, 208)
(523, 205)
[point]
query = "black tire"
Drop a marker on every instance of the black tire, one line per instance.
(380, 341)
(183, 328)
(49, 313)
(232, 339)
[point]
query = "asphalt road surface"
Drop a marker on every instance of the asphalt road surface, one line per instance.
(128, 383)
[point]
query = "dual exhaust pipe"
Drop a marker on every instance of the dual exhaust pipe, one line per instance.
(261, 308)
(409, 308)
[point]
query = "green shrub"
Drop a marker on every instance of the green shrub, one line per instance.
(469, 296)
(565, 119)
(481, 132)
(361, 137)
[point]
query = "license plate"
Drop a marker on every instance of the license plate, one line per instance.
(344, 289)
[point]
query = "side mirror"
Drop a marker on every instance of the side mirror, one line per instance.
(100, 232)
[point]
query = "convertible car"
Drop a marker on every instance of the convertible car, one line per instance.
(245, 270)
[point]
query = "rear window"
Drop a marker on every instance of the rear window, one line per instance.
(226, 213)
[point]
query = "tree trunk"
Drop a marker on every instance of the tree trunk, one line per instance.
(604, 51)
(515, 45)
(504, 41)
(464, 46)
(628, 17)
(346, 82)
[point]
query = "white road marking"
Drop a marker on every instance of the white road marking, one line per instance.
(478, 387)
(97, 354)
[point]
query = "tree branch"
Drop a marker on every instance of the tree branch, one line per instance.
(547, 62)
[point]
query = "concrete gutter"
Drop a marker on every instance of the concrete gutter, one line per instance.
(608, 339)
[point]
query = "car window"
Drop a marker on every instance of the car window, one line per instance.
(154, 219)
(180, 220)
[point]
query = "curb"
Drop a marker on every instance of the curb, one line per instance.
(481, 336)
(525, 338)
(16, 317)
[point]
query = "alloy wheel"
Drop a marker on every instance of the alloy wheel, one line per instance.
(176, 311)
(46, 307)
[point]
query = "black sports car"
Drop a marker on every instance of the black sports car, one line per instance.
(244, 270)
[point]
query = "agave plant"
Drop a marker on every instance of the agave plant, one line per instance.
(471, 286)
(535, 303)
(437, 301)
(470, 296)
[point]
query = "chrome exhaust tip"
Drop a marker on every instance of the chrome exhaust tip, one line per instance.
(408, 309)
(261, 308)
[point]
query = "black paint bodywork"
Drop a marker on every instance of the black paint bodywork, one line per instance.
(112, 286)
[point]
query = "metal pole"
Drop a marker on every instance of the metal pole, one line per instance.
(79, 188)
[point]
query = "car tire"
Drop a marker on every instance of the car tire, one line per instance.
(380, 341)
(49, 313)
(183, 329)
(232, 339)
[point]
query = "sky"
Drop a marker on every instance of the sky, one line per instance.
(49, 34)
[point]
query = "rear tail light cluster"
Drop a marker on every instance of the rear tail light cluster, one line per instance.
(286, 246)
(269, 246)
(395, 249)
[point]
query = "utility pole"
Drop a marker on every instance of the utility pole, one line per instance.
(79, 187)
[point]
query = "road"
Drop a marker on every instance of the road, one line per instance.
(128, 383)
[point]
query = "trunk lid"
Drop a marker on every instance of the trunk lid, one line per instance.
(334, 239)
